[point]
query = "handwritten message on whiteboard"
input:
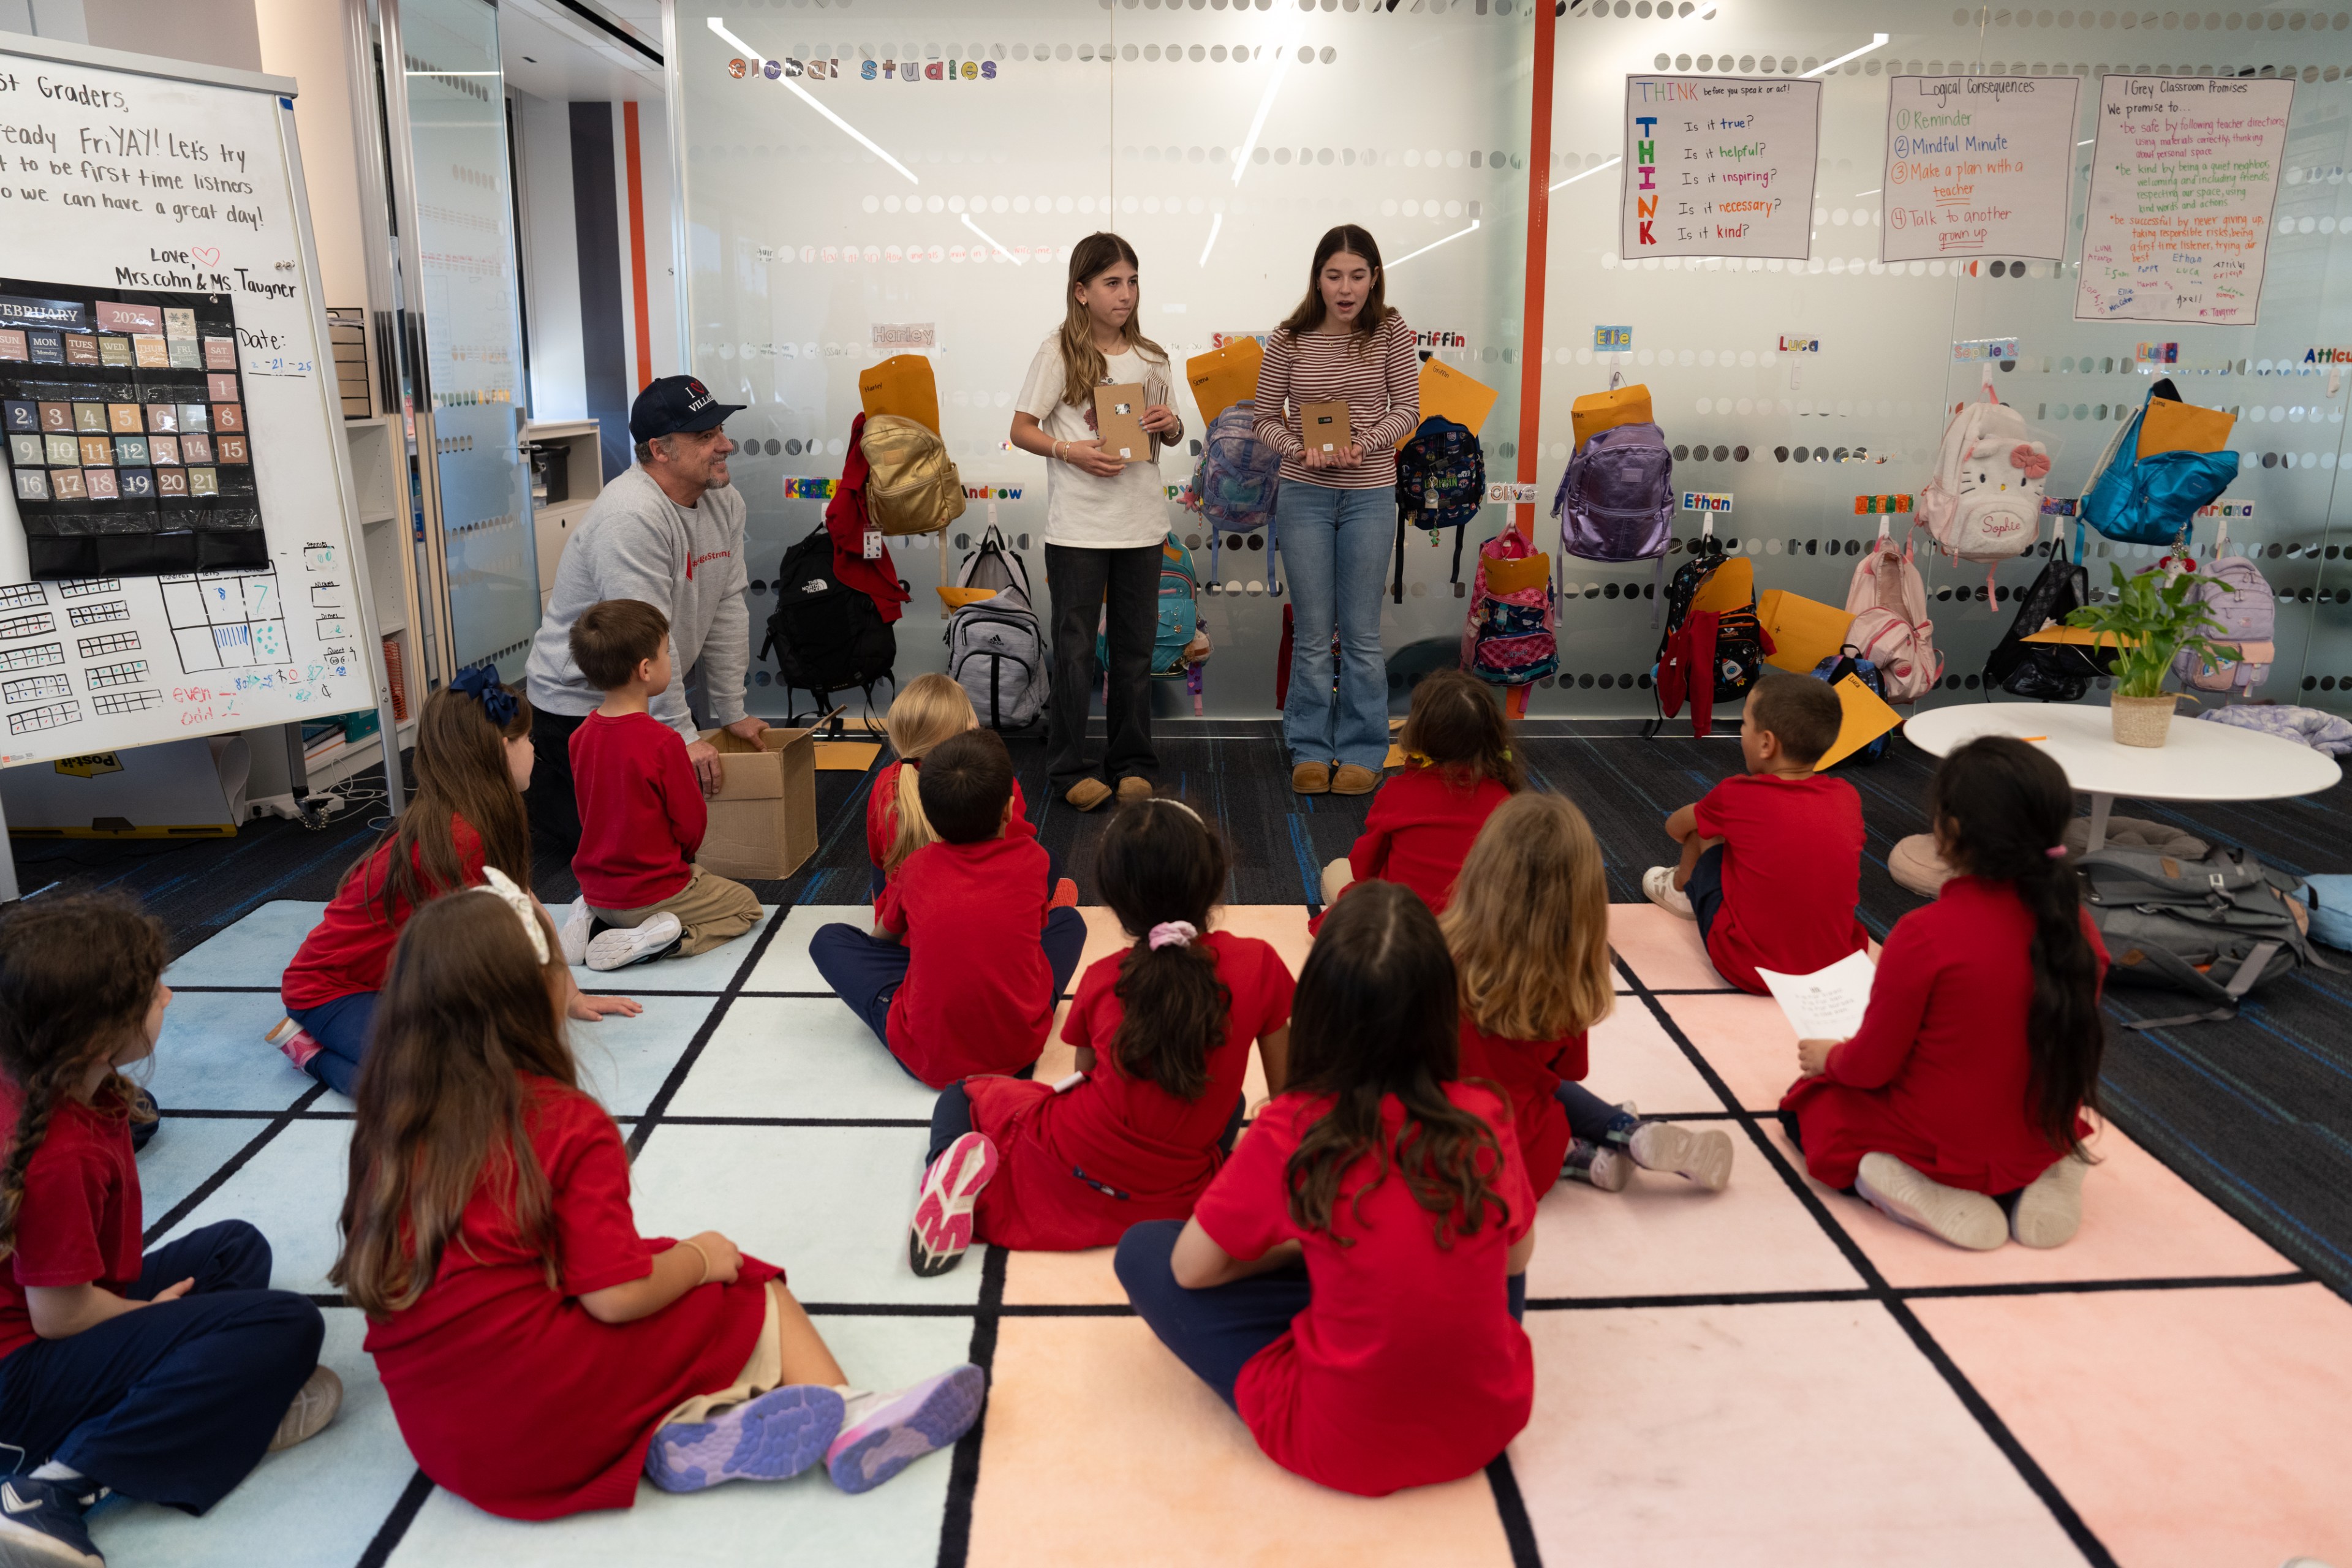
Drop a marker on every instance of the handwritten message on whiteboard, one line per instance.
(139, 187)
(1719, 166)
(1978, 166)
(2184, 176)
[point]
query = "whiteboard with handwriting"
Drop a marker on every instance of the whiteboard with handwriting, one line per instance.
(115, 175)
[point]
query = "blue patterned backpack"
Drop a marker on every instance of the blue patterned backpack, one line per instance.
(1441, 484)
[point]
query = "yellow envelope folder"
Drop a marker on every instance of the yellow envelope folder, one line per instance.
(1447, 393)
(904, 385)
(2169, 426)
(1804, 631)
(1596, 412)
(1867, 717)
(2082, 637)
(1223, 377)
(1733, 587)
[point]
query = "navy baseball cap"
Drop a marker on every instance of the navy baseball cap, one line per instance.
(674, 404)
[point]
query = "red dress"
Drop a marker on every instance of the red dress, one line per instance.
(1938, 1075)
(1791, 874)
(508, 1393)
(1154, 1151)
(1405, 1368)
(347, 950)
(1419, 831)
(882, 813)
(1527, 1071)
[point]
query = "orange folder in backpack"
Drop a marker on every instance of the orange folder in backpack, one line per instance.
(1804, 631)
(1596, 412)
(1733, 587)
(1223, 377)
(2169, 426)
(904, 385)
(1447, 393)
(1864, 716)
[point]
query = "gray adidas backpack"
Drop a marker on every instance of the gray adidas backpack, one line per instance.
(996, 649)
(2215, 928)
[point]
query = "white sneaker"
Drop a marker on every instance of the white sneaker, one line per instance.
(1658, 887)
(1597, 1164)
(622, 946)
(577, 923)
(2050, 1211)
(1964, 1218)
(1702, 1158)
(315, 1404)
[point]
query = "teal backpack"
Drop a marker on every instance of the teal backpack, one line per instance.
(1180, 622)
(2150, 500)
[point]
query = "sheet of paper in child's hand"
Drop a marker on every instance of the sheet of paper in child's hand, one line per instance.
(1829, 1003)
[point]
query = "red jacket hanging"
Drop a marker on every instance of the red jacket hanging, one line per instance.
(1687, 664)
(845, 520)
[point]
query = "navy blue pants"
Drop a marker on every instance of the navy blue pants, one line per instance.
(174, 1403)
(340, 1027)
(867, 971)
(1216, 1331)
(1588, 1115)
(1705, 890)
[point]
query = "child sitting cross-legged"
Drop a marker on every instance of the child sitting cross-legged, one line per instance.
(927, 710)
(1771, 863)
(1458, 768)
(1530, 930)
(960, 972)
(642, 815)
(538, 1352)
(164, 1377)
(1163, 1032)
(1351, 1282)
(1958, 1108)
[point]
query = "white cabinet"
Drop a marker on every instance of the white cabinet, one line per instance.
(574, 464)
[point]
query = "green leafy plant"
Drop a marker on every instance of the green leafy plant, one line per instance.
(2156, 615)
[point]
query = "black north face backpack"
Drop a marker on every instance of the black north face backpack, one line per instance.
(827, 636)
(2051, 673)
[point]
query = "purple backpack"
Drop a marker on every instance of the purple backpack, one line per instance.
(1616, 502)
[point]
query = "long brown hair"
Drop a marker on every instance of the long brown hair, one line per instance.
(1084, 365)
(1308, 316)
(1529, 923)
(466, 1007)
(1455, 723)
(1374, 1016)
(1157, 863)
(931, 709)
(2001, 806)
(461, 771)
(76, 977)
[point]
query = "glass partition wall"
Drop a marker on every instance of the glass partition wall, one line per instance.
(869, 178)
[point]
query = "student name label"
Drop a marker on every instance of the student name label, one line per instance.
(1977, 166)
(2184, 176)
(1613, 340)
(1719, 166)
(1706, 501)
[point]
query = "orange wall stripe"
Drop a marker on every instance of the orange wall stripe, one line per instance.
(637, 242)
(1531, 328)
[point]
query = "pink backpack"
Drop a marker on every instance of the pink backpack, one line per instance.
(1891, 629)
(1507, 637)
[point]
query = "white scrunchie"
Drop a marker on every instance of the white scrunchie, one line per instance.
(500, 885)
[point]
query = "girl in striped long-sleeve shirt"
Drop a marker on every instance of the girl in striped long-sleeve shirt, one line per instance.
(1343, 344)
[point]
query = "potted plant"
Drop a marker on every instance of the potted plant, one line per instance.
(2153, 616)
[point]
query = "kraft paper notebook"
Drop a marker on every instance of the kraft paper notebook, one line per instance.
(1118, 421)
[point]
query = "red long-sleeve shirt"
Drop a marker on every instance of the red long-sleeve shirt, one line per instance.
(642, 815)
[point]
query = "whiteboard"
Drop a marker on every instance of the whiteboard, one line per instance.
(1719, 166)
(119, 172)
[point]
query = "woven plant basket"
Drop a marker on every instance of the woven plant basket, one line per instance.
(2141, 721)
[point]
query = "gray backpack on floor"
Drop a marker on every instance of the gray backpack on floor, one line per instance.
(996, 649)
(2215, 928)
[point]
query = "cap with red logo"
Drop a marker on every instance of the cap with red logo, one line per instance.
(671, 405)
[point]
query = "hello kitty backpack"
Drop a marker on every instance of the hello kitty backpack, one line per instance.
(1984, 503)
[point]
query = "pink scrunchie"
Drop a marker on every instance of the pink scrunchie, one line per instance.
(2056, 851)
(1178, 932)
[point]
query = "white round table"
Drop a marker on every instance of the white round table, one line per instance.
(2197, 761)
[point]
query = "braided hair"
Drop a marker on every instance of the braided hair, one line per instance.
(76, 977)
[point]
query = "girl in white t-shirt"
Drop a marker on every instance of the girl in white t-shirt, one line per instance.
(1105, 519)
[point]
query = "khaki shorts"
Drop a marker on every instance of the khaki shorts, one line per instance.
(710, 910)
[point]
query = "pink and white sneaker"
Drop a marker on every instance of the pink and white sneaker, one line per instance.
(294, 1041)
(941, 1233)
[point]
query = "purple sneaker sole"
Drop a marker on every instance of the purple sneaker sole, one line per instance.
(926, 1417)
(780, 1434)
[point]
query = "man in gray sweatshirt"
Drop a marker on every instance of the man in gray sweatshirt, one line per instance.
(668, 532)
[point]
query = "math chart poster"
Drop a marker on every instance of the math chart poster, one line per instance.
(2185, 174)
(1719, 166)
(1978, 166)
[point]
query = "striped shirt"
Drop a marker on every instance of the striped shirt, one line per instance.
(1378, 381)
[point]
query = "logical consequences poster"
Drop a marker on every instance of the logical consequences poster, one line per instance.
(2185, 174)
(1719, 166)
(1978, 166)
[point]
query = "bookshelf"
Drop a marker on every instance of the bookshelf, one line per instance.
(379, 471)
(567, 475)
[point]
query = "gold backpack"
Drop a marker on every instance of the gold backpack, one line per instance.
(914, 488)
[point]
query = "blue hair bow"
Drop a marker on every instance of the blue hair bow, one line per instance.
(480, 681)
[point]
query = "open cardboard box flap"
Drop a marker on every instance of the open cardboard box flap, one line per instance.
(763, 818)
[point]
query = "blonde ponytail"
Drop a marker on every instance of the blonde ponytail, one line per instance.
(931, 708)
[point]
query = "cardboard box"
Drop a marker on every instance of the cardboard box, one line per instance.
(1119, 421)
(1323, 426)
(764, 819)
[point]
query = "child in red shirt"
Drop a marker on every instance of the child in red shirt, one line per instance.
(1163, 1032)
(538, 1352)
(1350, 1282)
(1958, 1108)
(1771, 864)
(642, 815)
(473, 760)
(1530, 931)
(1458, 768)
(960, 973)
(928, 710)
(166, 1376)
